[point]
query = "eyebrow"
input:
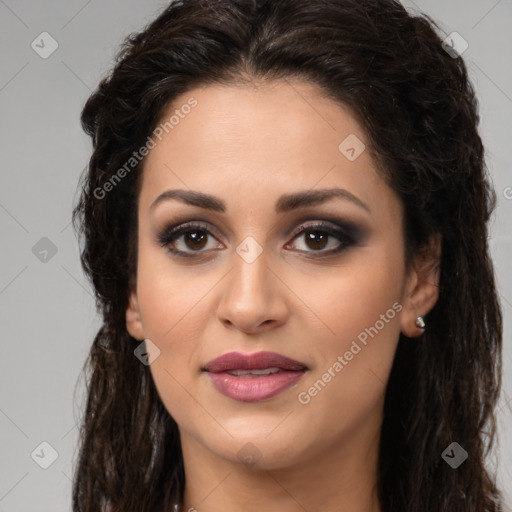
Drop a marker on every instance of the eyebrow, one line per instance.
(285, 203)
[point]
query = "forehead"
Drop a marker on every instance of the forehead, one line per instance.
(279, 120)
(259, 142)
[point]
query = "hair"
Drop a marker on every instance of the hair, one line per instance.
(420, 115)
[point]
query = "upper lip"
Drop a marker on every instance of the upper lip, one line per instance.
(257, 361)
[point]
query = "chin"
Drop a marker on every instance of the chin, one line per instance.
(259, 452)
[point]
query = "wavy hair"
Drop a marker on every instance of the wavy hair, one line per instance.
(419, 111)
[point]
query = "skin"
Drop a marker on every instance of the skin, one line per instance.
(248, 145)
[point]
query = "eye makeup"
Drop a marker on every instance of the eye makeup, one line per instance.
(346, 233)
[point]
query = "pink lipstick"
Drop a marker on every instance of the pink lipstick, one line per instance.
(253, 377)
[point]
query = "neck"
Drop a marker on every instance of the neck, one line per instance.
(342, 477)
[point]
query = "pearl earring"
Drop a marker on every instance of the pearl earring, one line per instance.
(420, 323)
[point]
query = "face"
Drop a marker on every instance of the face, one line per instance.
(267, 264)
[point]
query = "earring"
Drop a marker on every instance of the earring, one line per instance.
(420, 324)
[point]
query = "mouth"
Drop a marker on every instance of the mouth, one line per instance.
(253, 377)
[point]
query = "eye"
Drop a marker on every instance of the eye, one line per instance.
(195, 237)
(191, 239)
(318, 236)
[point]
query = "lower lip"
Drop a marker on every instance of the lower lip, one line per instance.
(254, 389)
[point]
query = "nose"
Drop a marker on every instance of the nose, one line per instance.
(253, 297)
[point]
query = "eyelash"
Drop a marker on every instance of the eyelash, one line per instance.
(171, 233)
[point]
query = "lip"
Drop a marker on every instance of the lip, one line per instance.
(253, 388)
(257, 361)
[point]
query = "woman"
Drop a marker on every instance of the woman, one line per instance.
(285, 223)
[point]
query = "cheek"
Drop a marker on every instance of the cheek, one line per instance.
(352, 297)
(174, 319)
(171, 298)
(176, 310)
(360, 308)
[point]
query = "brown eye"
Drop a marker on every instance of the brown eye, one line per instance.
(191, 239)
(317, 237)
(185, 240)
(195, 239)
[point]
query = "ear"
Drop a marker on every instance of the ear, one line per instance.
(133, 320)
(421, 290)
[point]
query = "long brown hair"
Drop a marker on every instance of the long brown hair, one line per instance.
(420, 114)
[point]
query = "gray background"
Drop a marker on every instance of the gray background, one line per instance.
(47, 314)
